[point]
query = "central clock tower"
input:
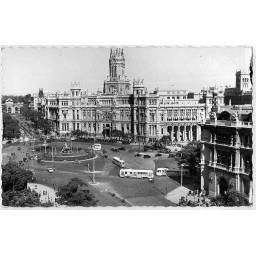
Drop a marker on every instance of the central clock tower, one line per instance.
(117, 81)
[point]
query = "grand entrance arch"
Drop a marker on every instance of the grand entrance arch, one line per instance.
(223, 186)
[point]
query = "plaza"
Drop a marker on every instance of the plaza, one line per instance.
(110, 189)
(145, 128)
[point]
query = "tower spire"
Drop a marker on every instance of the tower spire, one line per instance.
(117, 80)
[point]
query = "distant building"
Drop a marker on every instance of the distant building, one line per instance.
(226, 153)
(242, 93)
(39, 102)
(12, 108)
(128, 107)
(210, 96)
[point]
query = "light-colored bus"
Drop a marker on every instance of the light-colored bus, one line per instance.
(116, 160)
(140, 174)
(161, 171)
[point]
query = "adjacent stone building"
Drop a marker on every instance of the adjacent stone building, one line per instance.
(226, 153)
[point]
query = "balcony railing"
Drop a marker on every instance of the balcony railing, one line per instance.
(229, 123)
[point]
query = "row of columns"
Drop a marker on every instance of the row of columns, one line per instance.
(184, 133)
(179, 133)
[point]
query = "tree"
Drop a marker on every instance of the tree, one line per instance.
(14, 187)
(76, 193)
(230, 199)
(14, 177)
(190, 157)
(10, 127)
(79, 133)
(165, 140)
(117, 133)
(22, 198)
(37, 119)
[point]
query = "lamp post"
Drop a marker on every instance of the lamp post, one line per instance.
(181, 174)
(93, 169)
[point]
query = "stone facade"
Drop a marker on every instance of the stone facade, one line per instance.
(226, 151)
(128, 107)
(11, 107)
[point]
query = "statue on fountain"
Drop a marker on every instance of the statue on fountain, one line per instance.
(66, 149)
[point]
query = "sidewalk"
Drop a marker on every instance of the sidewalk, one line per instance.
(175, 195)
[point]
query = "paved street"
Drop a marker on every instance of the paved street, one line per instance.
(110, 190)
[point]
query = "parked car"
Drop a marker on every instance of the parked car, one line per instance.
(115, 149)
(126, 142)
(137, 154)
(147, 156)
(121, 148)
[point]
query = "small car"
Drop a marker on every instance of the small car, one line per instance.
(96, 147)
(51, 170)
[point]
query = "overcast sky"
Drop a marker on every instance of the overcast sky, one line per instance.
(25, 70)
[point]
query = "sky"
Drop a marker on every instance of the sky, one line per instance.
(26, 69)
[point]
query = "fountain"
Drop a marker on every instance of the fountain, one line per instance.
(66, 150)
(65, 153)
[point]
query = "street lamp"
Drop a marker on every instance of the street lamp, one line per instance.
(93, 168)
(181, 174)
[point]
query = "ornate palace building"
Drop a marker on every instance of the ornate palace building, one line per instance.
(128, 107)
(226, 153)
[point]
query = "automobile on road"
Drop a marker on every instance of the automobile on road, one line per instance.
(161, 171)
(96, 147)
(51, 169)
(134, 173)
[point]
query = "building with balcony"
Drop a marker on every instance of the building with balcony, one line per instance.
(226, 151)
(127, 106)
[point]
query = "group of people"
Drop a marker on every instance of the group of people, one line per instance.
(195, 198)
